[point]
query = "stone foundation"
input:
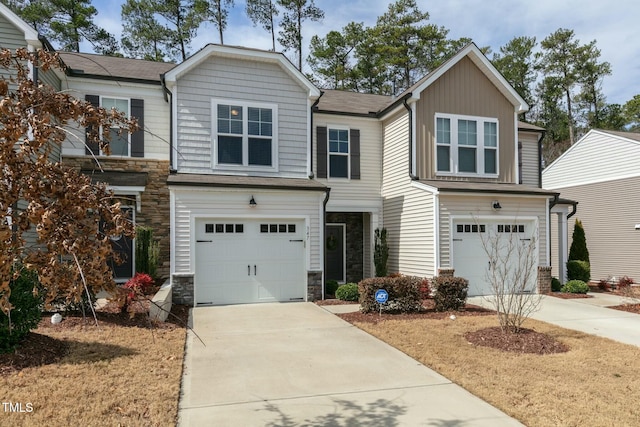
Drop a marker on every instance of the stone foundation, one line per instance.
(544, 280)
(314, 285)
(446, 272)
(182, 289)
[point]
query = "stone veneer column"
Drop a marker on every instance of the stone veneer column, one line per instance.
(182, 289)
(314, 285)
(544, 280)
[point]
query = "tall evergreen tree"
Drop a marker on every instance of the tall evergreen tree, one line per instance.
(591, 73)
(631, 111)
(295, 13)
(330, 57)
(143, 36)
(264, 13)
(578, 250)
(181, 18)
(217, 12)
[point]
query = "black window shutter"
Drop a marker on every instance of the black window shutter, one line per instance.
(137, 138)
(321, 140)
(90, 145)
(354, 142)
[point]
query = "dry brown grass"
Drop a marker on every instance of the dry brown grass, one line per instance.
(112, 376)
(596, 383)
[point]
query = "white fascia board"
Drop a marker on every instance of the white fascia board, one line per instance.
(425, 187)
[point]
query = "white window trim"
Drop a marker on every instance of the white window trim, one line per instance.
(347, 155)
(245, 136)
(127, 133)
(453, 146)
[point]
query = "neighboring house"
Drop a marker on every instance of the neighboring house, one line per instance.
(601, 173)
(138, 166)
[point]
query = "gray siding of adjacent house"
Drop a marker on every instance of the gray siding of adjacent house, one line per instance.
(465, 90)
(249, 81)
(609, 212)
(408, 211)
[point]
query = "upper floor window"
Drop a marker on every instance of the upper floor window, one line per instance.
(244, 134)
(466, 145)
(338, 153)
(119, 141)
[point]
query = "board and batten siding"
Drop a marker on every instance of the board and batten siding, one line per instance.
(363, 193)
(241, 80)
(225, 203)
(609, 212)
(464, 90)
(408, 211)
(529, 154)
(156, 114)
(598, 156)
(474, 206)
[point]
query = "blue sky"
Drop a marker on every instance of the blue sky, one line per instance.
(493, 23)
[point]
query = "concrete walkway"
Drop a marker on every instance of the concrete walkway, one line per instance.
(588, 315)
(297, 364)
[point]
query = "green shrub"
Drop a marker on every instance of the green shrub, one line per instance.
(330, 287)
(578, 250)
(450, 293)
(348, 292)
(26, 299)
(578, 270)
(556, 285)
(404, 294)
(381, 252)
(147, 251)
(575, 287)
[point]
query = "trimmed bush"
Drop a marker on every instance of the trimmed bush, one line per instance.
(25, 315)
(348, 292)
(330, 287)
(556, 285)
(404, 294)
(578, 270)
(450, 293)
(575, 287)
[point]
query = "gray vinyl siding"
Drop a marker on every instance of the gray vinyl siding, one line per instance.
(10, 36)
(156, 114)
(530, 159)
(597, 157)
(609, 212)
(363, 193)
(408, 212)
(248, 81)
(190, 203)
(465, 90)
(480, 206)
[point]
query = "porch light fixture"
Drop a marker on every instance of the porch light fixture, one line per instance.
(252, 203)
(496, 205)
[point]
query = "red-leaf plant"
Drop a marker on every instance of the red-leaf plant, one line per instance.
(136, 288)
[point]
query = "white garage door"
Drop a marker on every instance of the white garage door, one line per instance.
(247, 261)
(510, 251)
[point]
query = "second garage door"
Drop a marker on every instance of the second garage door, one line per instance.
(250, 261)
(514, 247)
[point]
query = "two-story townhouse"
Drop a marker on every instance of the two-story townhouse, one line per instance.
(246, 219)
(138, 166)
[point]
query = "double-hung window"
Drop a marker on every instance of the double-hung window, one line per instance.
(466, 145)
(119, 143)
(244, 135)
(338, 153)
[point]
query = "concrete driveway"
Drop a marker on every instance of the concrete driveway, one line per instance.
(296, 364)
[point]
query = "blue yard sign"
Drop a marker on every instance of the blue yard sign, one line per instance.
(381, 296)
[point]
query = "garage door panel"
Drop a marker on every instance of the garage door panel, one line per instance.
(255, 261)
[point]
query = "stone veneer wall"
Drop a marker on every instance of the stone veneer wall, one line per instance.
(154, 210)
(182, 289)
(544, 280)
(314, 285)
(355, 243)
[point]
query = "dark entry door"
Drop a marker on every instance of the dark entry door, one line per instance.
(334, 249)
(123, 246)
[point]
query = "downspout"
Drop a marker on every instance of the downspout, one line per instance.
(324, 228)
(168, 97)
(410, 111)
(311, 174)
(574, 209)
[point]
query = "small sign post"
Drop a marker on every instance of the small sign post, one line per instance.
(381, 297)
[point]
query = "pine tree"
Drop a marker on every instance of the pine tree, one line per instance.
(578, 250)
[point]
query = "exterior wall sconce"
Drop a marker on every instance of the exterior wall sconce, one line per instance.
(496, 205)
(252, 203)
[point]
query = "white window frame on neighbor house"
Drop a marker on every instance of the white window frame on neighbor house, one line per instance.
(484, 142)
(338, 153)
(245, 136)
(127, 114)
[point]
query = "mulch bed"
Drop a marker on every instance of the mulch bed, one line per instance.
(631, 308)
(569, 295)
(40, 349)
(525, 341)
(333, 301)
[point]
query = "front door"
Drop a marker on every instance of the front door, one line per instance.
(334, 250)
(123, 246)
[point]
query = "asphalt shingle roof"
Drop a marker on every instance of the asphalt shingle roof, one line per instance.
(114, 67)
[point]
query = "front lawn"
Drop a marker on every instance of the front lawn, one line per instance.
(122, 373)
(595, 383)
